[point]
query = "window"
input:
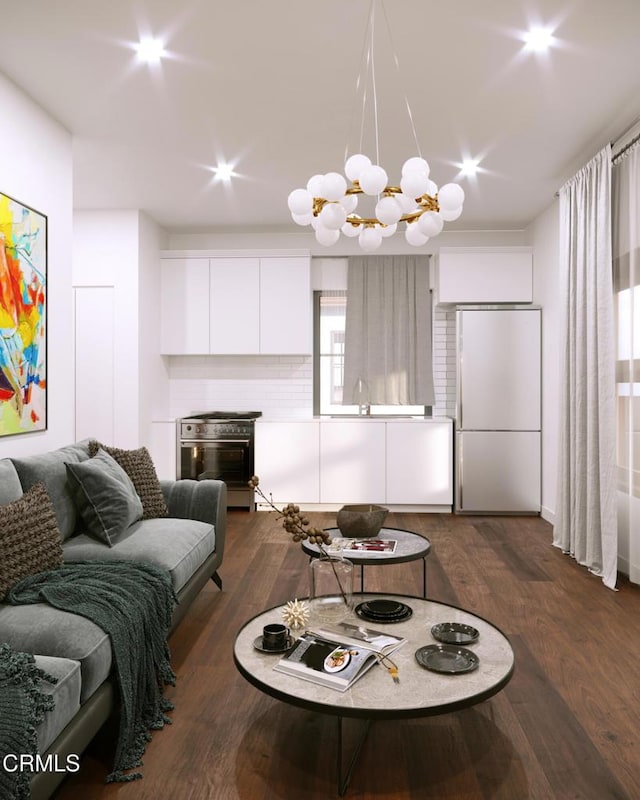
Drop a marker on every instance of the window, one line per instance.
(627, 308)
(330, 315)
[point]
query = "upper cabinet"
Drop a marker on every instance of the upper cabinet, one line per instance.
(184, 306)
(467, 275)
(236, 305)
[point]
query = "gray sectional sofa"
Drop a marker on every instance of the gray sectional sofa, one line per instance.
(189, 543)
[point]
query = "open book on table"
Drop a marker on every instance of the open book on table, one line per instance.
(370, 546)
(337, 655)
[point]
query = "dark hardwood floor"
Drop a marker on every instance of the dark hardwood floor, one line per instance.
(566, 726)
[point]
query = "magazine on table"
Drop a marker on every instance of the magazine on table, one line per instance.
(369, 546)
(337, 655)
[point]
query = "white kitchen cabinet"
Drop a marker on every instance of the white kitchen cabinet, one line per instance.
(466, 275)
(419, 463)
(184, 306)
(234, 305)
(352, 462)
(287, 460)
(162, 448)
(286, 321)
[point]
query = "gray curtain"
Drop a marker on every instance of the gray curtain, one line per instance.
(586, 525)
(388, 331)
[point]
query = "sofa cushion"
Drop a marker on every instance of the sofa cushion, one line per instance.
(10, 486)
(138, 465)
(178, 545)
(66, 696)
(29, 537)
(49, 468)
(44, 630)
(105, 496)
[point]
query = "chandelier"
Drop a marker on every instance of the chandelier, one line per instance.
(329, 202)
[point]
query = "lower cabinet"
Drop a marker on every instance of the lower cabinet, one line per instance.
(420, 463)
(287, 460)
(352, 461)
(336, 462)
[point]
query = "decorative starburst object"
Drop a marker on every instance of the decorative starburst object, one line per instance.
(296, 613)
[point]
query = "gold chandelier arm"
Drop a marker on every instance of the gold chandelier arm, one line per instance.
(426, 203)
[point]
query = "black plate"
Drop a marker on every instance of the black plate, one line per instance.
(384, 611)
(447, 658)
(257, 643)
(454, 633)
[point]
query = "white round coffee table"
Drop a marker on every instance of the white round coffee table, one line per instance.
(410, 546)
(375, 696)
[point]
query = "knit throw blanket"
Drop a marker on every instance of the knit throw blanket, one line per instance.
(22, 707)
(133, 602)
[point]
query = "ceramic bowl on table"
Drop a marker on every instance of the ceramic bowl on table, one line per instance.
(361, 521)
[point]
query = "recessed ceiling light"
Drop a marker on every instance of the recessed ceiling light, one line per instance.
(150, 50)
(538, 40)
(223, 172)
(469, 167)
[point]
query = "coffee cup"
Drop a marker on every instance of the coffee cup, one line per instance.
(275, 636)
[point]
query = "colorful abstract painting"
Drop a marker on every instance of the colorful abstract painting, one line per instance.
(23, 318)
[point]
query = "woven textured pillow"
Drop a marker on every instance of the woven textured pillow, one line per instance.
(30, 541)
(139, 467)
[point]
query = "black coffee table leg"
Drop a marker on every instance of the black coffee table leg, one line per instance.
(345, 777)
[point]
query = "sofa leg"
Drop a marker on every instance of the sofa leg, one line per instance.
(217, 580)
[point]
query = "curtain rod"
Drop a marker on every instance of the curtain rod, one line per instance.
(623, 150)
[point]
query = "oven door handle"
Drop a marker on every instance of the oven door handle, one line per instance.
(209, 442)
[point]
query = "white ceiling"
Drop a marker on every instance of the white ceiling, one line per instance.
(271, 87)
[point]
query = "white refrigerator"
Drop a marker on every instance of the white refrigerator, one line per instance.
(498, 410)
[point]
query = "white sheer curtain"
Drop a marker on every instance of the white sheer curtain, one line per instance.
(586, 524)
(626, 278)
(388, 331)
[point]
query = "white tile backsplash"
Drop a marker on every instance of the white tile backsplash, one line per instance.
(282, 386)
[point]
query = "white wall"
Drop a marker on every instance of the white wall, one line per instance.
(116, 254)
(35, 168)
(544, 232)
(396, 245)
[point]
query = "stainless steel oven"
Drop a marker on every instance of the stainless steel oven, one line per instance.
(219, 445)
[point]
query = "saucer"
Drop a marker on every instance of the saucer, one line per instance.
(383, 611)
(447, 658)
(257, 643)
(454, 633)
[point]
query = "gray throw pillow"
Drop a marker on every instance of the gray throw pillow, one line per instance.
(105, 496)
(30, 541)
(138, 465)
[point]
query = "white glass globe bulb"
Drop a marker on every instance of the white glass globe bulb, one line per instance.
(351, 230)
(450, 196)
(326, 237)
(333, 186)
(370, 239)
(432, 189)
(333, 216)
(314, 185)
(354, 165)
(388, 210)
(407, 204)
(302, 219)
(316, 223)
(430, 223)
(373, 180)
(388, 230)
(414, 183)
(449, 215)
(415, 163)
(414, 236)
(349, 202)
(300, 202)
